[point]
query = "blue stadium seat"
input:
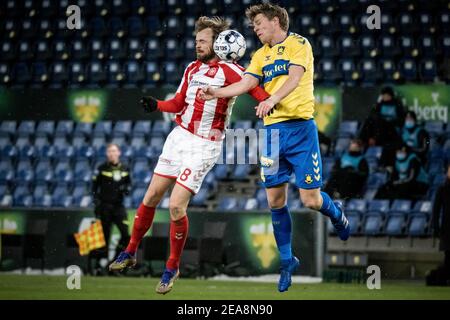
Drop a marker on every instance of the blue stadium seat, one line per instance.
(355, 221)
(141, 171)
(27, 152)
(39, 74)
(61, 197)
(341, 145)
(137, 196)
(135, 27)
(376, 180)
(401, 205)
(22, 196)
(347, 129)
(104, 127)
(83, 128)
(142, 128)
(434, 128)
(356, 205)
(160, 128)
(241, 172)
(82, 171)
(221, 171)
(41, 195)
(199, 200)
(423, 206)
(64, 128)
(373, 152)
(395, 223)
(227, 204)
(210, 180)
(6, 171)
(408, 69)
(5, 140)
(369, 73)
(46, 128)
(373, 223)
(418, 224)
(24, 171)
(8, 126)
(43, 171)
(123, 127)
(26, 128)
(378, 205)
(388, 69)
(144, 152)
(63, 171)
(133, 72)
(428, 70)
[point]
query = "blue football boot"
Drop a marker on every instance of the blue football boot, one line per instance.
(341, 224)
(285, 274)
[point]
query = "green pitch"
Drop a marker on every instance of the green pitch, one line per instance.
(54, 287)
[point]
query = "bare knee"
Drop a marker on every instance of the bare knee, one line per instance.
(277, 202)
(152, 198)
(312, 201)
(177, 211)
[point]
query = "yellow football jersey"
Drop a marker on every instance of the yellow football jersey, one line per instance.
(271, 66)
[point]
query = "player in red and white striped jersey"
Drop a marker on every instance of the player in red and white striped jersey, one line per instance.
(191, 149)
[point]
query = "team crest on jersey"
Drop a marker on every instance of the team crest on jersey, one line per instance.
(308, 179)
(281, 50)
(212, 72)
(266, 162)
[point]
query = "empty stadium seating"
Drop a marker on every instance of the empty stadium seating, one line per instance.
(40, 51)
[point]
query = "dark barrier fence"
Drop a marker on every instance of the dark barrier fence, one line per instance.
(44, 239)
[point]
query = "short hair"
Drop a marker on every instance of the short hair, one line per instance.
(412, 114)
(216, 24)
(388, 90)
(270, 11)
(110, 145)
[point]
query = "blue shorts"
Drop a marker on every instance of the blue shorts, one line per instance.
(292, 146)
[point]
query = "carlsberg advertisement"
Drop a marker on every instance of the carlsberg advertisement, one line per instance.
(429, 102)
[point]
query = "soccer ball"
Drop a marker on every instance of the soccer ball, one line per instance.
(230, 45)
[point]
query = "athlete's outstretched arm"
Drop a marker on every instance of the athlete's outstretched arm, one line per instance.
(247, 83)
(295, 74)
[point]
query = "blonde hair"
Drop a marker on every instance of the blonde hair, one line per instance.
(216, 24)
(270, 11)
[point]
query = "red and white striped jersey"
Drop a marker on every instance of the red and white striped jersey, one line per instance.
(207, 119)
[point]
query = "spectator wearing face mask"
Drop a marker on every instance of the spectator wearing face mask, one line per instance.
(383, 126)
(408, 179)
(415, 137)
(349, 173)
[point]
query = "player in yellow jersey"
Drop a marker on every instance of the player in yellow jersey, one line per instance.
(285, 67)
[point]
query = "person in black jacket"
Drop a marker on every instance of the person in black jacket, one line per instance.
(349, 173)
(110, 183)
(383, 125)
(441, 220)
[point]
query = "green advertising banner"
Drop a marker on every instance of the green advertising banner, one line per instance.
(429, 102)
(328, 110)
(87, 106)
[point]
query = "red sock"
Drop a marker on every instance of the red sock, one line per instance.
(142, 222)
(178, 235)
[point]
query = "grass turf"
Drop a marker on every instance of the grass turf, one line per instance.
(54, 287)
